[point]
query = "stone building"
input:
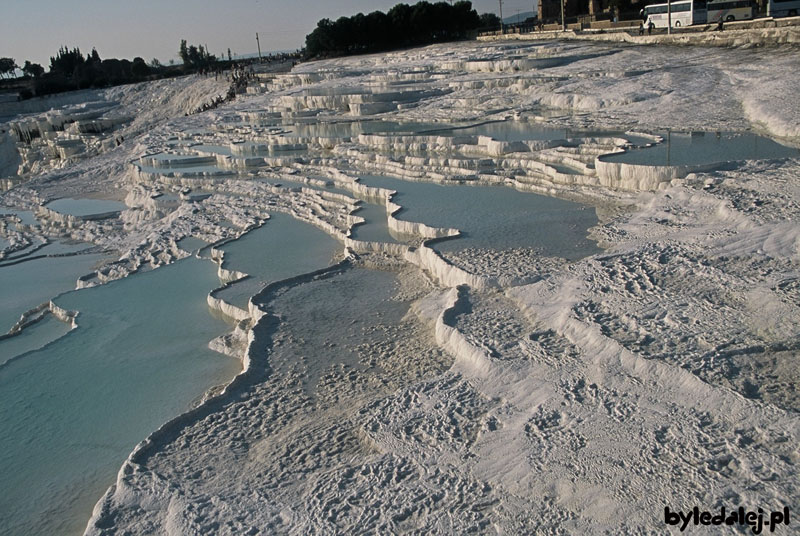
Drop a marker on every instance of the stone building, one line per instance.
(550, 10)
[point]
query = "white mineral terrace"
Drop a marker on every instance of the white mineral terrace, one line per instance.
(478, 390)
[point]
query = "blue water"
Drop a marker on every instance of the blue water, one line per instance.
(177, 160)
(39, 249)
(61, 248)
(282, 248)
(506, 131)
(26, 216)
(188, 170)
(28, 284)
(216, 149)
(29, 250)
(85, 207)
(376, 228)
(337, 129)
(352, 129)
(191, 244)
(699, 148)
(299, 183)
(33, 337)
(528, 131)
(495, 217)
(72, 412)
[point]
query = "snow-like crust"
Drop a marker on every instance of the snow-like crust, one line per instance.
(557, 397)
(635, 177)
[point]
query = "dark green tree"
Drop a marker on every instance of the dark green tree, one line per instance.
(34, 70)
(399, 20)
(94, 58)
(403, 25)
(489, 20)
(139, 69)
(7, 67)
(114, 71)
(183, 52)
(195, 57)
(66, 61)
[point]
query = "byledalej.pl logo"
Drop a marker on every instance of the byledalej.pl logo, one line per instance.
(757, 521)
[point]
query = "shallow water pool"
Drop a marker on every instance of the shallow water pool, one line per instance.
(505, 131)
(495, 217)
(33, 337)
(26, 216)
(30, 283)
(354, 128)
(699, 148)
(85, 207)
(375, 227)
(72, 411)
(283, 247)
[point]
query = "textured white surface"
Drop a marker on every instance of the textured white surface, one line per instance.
(661, 372)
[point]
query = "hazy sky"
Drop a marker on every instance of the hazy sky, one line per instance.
(35, 29)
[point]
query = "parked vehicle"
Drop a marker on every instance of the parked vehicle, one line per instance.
(681, 13)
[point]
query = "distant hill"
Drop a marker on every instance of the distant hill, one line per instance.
(513, 19)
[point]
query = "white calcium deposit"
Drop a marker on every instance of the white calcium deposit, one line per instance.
(516, 394)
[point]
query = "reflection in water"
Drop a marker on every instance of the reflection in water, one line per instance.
(495, 217)
(699, 148)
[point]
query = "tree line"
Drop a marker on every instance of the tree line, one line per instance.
(196, 57)
(70, 70)
(402, 26)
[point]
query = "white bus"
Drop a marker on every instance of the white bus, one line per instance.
(783, 8)
(683, 13)
(729, 10)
